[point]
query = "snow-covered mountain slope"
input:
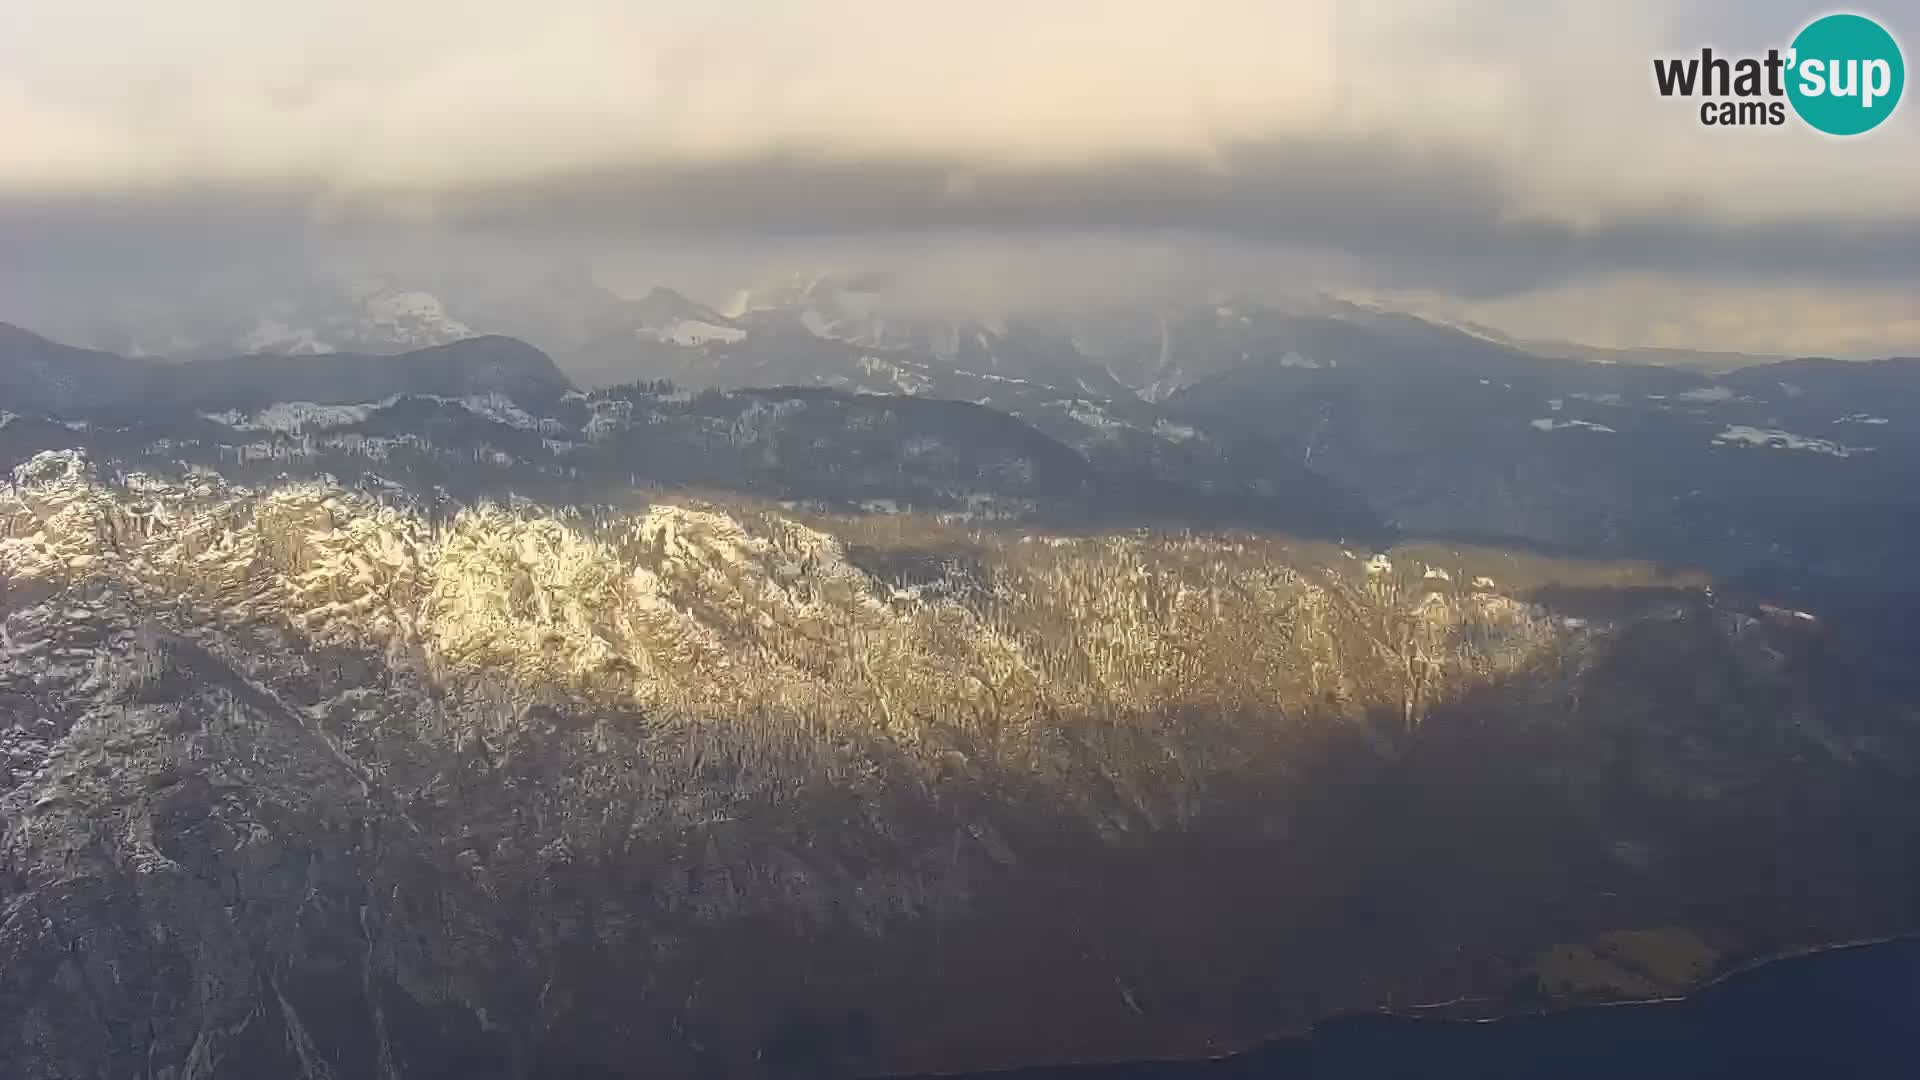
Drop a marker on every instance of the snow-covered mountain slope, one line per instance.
(303, 780)
(830, 333)
(378, 319)
(634, 611)
(1072, 461)
(1346, 420)
(363, 315)
(1453, 435)
(665, 316)
(369, 716)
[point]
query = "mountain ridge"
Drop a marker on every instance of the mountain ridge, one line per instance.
(309, 778)
(45, 376)
(806, 731)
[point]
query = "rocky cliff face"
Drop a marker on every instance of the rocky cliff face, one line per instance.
(303, 781)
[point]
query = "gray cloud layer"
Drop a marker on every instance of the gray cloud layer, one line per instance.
(1366, 199)
(1479, 150)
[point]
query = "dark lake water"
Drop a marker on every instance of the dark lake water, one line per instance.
(1841, 1013)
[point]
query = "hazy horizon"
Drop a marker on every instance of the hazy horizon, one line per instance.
(1526, 177)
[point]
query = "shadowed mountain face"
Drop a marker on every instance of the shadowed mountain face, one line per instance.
(1329, 418)
(474, 367)
(1840, 1012)
(37, 375)
(301, 781)
(1778, 473)
(1786, 474)
(422, 716)
(42, 377)
(493, 410)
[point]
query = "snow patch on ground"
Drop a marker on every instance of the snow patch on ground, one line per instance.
(817, 324)
(291, 417)
(414, 318)
(1862, 418)
(986, 506)
(609, 415)
(296, 417)
(1175, 432)
(1706, 394)
(499, 408)
(911, 383)
(991, 378)
(1773, 438)
(690, 332)
(1546, 424)
(274, 336)
(1093, 416)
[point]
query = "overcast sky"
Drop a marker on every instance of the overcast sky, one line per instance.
(1500, 159)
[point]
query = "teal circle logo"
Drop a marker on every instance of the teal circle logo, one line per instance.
(1845, 74)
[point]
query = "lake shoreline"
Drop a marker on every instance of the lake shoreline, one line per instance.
(1356, 1044)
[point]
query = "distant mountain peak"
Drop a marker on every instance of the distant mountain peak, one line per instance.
(671, 318)
(40, 375)
(11, 334)
(664, 301)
